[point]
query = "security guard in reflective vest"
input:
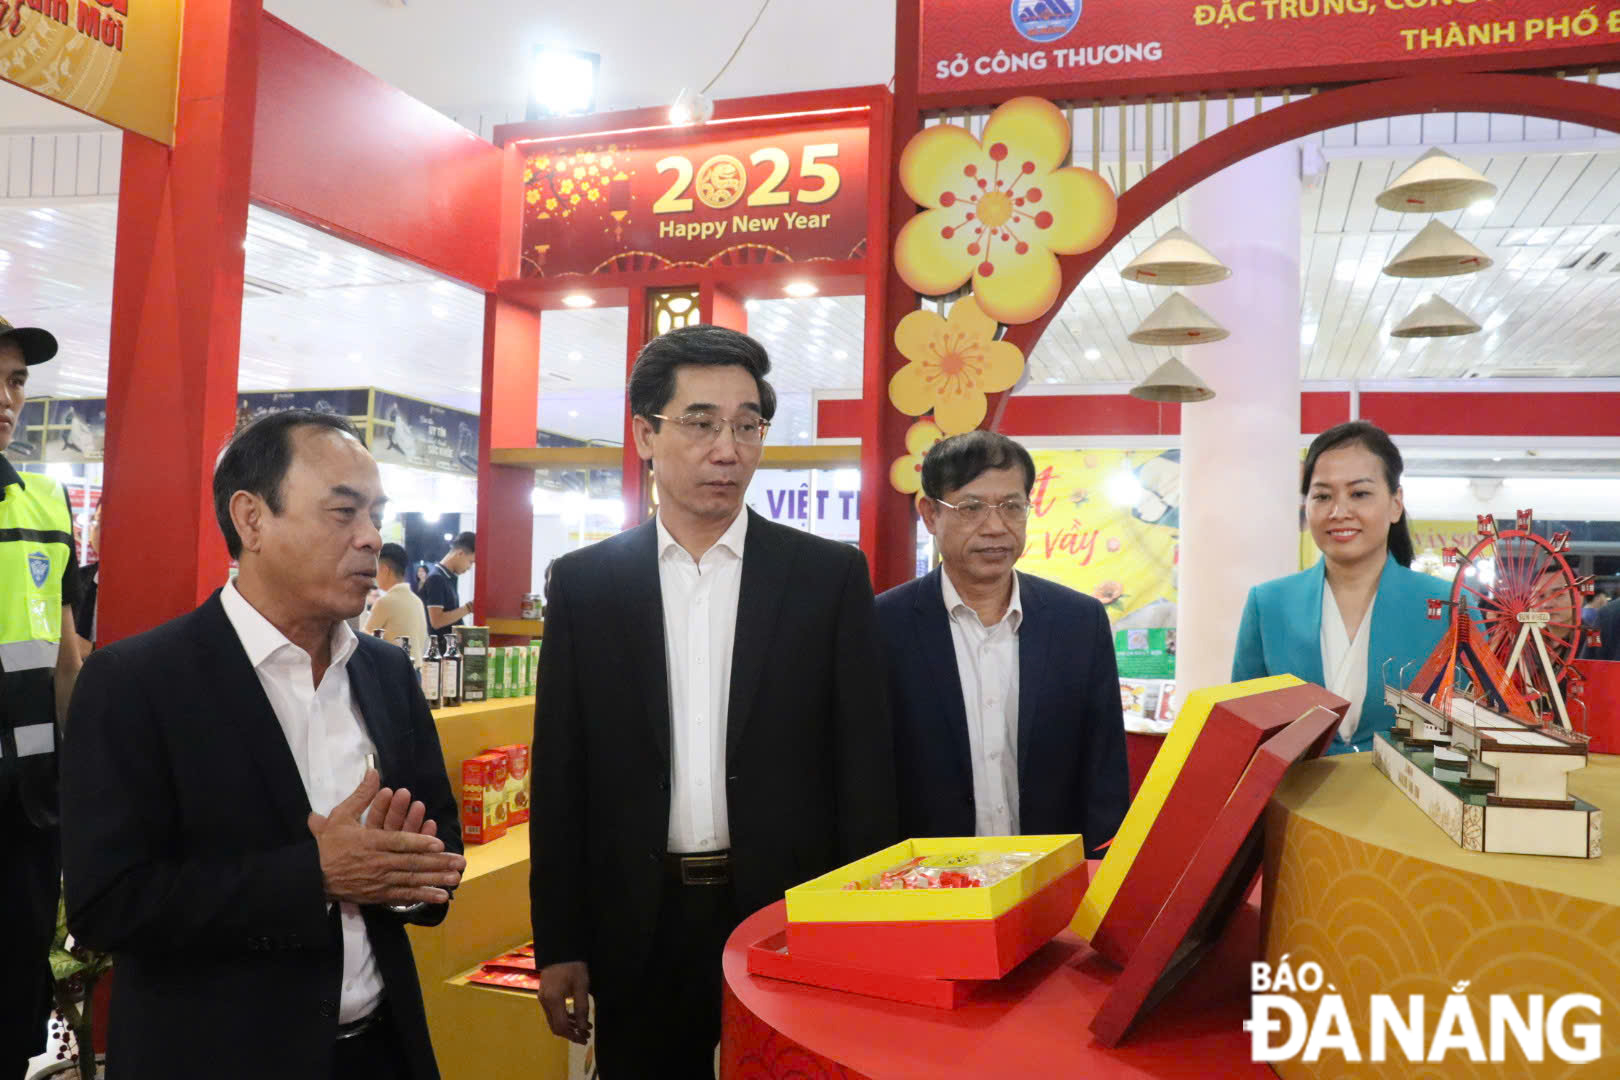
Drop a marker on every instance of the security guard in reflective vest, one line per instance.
(38, 585)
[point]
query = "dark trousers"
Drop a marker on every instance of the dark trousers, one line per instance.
(374, 1054)
(667, 1027)
(30, 882)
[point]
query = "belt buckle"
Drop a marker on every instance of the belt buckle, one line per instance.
(356, 1027)
(705, 869)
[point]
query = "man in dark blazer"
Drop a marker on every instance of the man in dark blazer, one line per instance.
(711, 726)
(1004, 688)
(225, 832)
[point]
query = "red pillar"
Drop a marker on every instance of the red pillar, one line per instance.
(888, 518)
(508, 413)
(637, 478)
(719, 306)
(177, 327)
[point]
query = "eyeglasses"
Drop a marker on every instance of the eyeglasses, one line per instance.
(703, 430)
(975, 511)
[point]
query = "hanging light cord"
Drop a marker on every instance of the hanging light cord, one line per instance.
(738, 49)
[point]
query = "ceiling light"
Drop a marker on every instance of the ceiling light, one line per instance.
(800, 289)
(804, 434)
(691, 107)
(579, 300)
(440, 311)
(1483, 208)
(1093, 354)
(354, 358)
(562, 82)
(575, 357)
(840, 354)
(573, 414)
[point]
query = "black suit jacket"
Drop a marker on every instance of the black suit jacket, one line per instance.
(187, 854)
(809, 767)
(1072, 773)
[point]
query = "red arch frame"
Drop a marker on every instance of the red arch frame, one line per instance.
(1520, 95)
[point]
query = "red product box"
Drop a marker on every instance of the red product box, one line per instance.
(517, 781)
(507, 980)
(483, 798)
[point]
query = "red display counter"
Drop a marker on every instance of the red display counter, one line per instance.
(1031, 1023)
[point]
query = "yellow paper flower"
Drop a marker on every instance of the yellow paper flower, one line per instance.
(551, 204)
(533, 197)
(905, 475)
(1000, 210)
(955, 362)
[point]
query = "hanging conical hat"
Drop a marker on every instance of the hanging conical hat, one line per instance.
(1435, 318)
(1435, 182)
(1176, 259)
(1172, 381)
(1178, 321)
(1437, 251)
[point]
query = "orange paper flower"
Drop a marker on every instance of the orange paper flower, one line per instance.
(905, 475)
(955, 362)
(1000, 210)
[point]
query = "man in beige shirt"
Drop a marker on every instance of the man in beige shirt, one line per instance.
(398, 612)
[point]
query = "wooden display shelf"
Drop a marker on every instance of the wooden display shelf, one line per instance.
(525, 628)
(482, 1033)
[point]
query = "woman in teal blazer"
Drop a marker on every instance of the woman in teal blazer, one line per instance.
(1338, 623)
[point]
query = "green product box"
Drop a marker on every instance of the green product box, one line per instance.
(1146, 653)
(497, 671)
(474, 644)
(514, 664)
(534, 667)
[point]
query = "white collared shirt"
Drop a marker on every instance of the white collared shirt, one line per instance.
(1344, 660)
(987, 665)
(700, 628)
(329, 743)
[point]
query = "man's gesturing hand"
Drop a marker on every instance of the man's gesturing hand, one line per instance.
(379, 866)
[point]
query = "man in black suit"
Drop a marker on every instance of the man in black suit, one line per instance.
(711, 726)
(1004, 687)
(225, 832)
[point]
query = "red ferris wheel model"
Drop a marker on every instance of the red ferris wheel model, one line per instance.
(1525, 604)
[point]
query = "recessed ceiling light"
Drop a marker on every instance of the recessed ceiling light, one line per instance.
(573, 414)
(355, 358)
(440, 311)
(579, 300)
(1483, 207)
(562, 82)
(801, 289)
(575, 357)
(1093, 354)
(840, 354)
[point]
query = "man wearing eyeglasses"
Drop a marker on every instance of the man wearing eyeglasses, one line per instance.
(1005, 692)
(712, 725)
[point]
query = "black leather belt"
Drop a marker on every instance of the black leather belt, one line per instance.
(359, 1027)
(703, 868)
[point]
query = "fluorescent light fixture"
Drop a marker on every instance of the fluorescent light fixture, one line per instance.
(801, 289)
(1093, 354)
(562, 82)
(1483, 207)
(579, 300)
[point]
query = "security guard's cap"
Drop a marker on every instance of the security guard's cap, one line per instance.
(37, 345)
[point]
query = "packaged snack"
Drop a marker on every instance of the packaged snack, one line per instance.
(483, 798)
(517, 781)
(963, 870)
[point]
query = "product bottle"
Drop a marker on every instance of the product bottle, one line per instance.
(450, 672)
(432, 685)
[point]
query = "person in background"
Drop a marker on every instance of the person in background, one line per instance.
(441, 594)
(421, 578)
(1004, 687)
(84, 613)
(712, 725)
(1360, 611)
(254, 799)
(397, 613)
(39, 585)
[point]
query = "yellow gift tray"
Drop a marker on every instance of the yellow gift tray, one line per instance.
(825, 899)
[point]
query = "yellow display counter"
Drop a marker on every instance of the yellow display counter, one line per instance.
(485, 1033)
(1359, 881)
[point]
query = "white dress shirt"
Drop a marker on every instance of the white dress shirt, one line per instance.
(700, 628)
(987, 664)
(1344, 660)
(329, 743)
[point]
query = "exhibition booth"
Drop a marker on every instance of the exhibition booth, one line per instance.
(1001, 240)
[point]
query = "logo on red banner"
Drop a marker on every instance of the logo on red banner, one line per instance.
(1045, 20)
